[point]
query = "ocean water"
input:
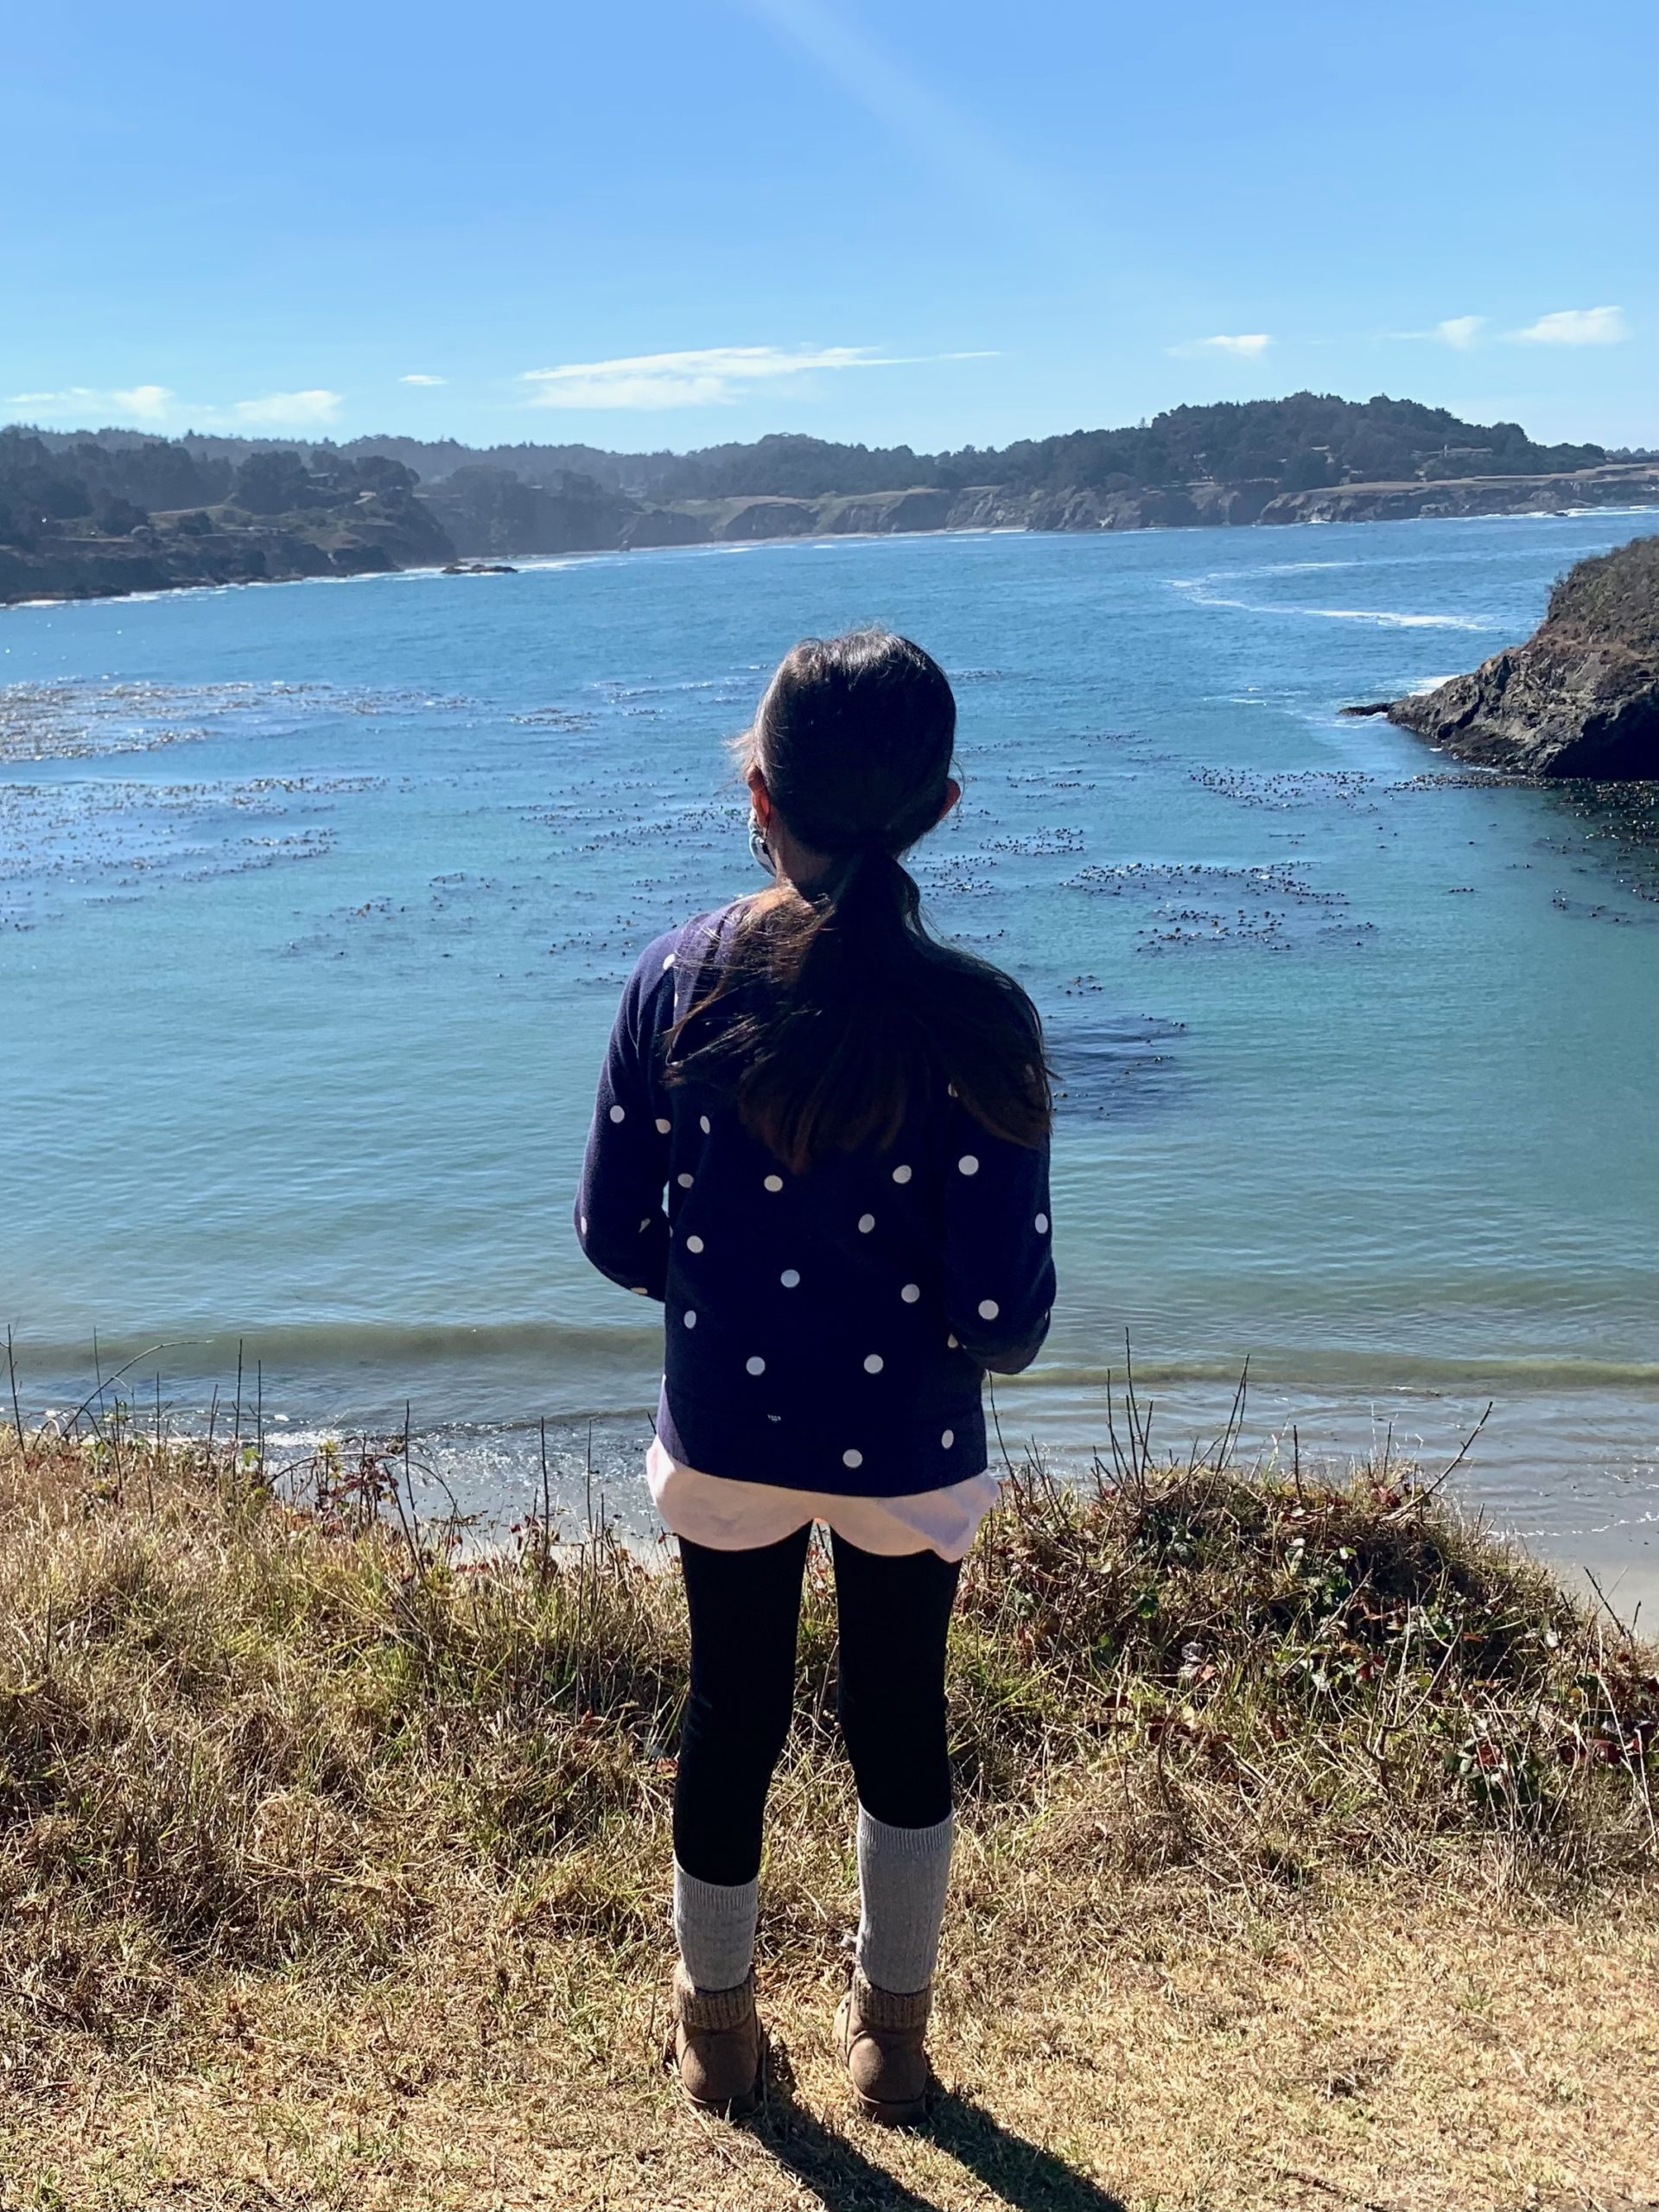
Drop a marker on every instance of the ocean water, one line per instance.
(315, 900)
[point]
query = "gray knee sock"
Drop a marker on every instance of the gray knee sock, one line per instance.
(902, 1877)
(714, 1926)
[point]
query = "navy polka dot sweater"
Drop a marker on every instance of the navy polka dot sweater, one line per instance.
(828, 1332)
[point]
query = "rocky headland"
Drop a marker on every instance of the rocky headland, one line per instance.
(1580, 698)
(73, 529)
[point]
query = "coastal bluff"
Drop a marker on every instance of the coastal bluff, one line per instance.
(87, 514)
(1581, 697)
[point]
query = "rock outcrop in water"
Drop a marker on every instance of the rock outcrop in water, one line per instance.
(1581, 697)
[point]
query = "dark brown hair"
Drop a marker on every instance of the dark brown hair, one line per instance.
(835, 1007)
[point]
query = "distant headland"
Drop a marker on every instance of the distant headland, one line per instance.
(91, 514)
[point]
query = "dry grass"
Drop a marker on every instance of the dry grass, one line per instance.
(1307, 1857)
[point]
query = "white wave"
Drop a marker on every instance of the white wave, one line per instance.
(1392, 621)
(1385, 617)
(1293, 568)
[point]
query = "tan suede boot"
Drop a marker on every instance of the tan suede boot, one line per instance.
(881, 2038)
(714, 2046)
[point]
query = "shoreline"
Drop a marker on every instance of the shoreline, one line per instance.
(1572, 1476)
(531, 563)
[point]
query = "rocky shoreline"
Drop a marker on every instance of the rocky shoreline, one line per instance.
(1580, 698)
(379, 533)
(1202, 504)
(376, 536)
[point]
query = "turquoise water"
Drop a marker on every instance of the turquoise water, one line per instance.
(315, 899)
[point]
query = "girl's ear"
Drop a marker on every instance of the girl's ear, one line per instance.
(759, 797)
(952, 795)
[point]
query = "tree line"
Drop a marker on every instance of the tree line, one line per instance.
(115, 487)
(114, 480)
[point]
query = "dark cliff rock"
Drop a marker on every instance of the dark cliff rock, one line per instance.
(489, 513)
(876, 514)
(1581, 697)
(664, 526)
(1623, 484)
(758, 518)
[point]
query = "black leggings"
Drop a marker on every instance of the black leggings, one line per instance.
(892, 1615)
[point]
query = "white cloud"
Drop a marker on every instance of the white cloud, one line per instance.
(1575, 327)
(708, 377)
(288, 410)
(420, 380)
(1249, 345)
(1461, 331)
(148, 403)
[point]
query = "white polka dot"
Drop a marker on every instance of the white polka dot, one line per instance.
(1042, 1225)
(873, 1363)
(911, 1293)
(690, 1321)
(618, 1114)
(639, 1291)
(702, 1123)
(684, 1180)
(663, 1127)
(669, 962)
(852, 1459)
(953, 1344)
(949, 1437)
(755, 1366)
(951, 1091)
(866, 1223)
(645, 1224)
(988, 1309)
(583, 1224)
(774, 1182)
(694, 1243)
(790, 1277)
(901, 1174)
(968, 1164)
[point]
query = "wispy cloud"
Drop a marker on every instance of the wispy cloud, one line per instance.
(153, 405)
(288, 410)
(947, 139)
(1575, 327)
(421, 380)
(709, 376)
(1247, 346)
(147, 403)
(1460, 332)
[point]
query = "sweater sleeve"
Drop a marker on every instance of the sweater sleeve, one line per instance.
(621, 1223)
(999, 1269)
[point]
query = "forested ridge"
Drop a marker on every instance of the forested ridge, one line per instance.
(1300, 442)
(94, 513)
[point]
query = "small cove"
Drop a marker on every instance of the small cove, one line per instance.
(315, 899)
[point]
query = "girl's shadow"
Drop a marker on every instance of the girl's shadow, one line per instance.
(1019, 2174)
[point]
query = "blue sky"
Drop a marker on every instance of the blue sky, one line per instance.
(671, 222)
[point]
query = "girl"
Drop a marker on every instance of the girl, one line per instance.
(850, 1122)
